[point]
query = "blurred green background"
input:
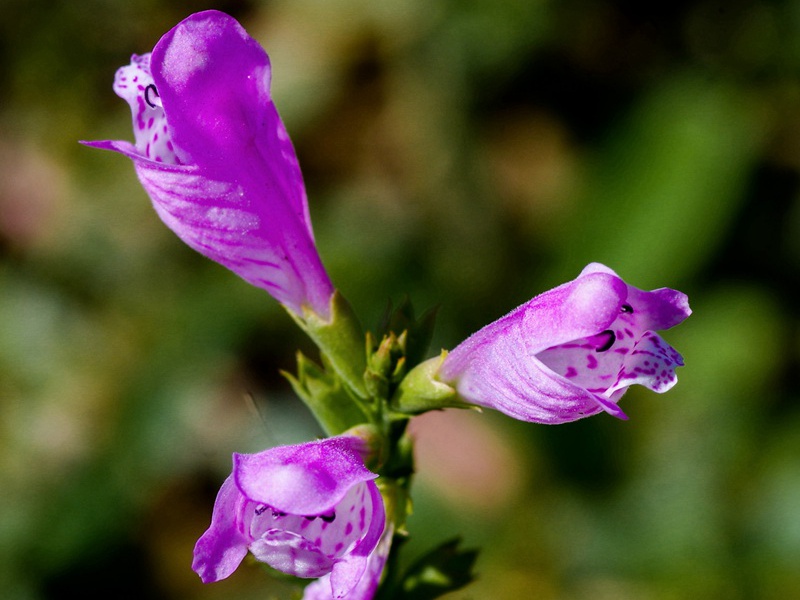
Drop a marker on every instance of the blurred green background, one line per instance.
(470, 153)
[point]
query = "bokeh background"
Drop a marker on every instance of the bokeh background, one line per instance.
(470, 154)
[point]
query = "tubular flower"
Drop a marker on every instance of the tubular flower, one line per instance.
(216, 160)
(309, 510)
(570, 352)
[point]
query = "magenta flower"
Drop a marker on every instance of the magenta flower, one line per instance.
(571, 352)
(310, 510)
(215, 158)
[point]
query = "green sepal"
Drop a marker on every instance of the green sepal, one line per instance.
(385, 365)
(334, 406)
(418, 332)
(420, 391)
(375, 450)
(340, 339)
(400, 343)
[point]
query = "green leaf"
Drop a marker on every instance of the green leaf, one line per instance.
(663, 190)
(335, 408)
(444, 569)
(418, 332)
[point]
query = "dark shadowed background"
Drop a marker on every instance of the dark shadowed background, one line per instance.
(471, 154)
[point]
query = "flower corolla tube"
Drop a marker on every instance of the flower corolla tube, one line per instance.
(571, 352)
(215, 158)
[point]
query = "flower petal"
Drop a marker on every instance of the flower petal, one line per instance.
(337, 584)
(579, 308)
(304, 479)
(349, 571)
(503, 376)
(214, 82)
(291, 553)
(651, 364)
(220, 550)
(662, 308)
(135, 85)
(611, 408)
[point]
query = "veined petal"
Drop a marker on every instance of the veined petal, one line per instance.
(573, 310)
(504, 376)
(214, 81)
(211, 217)
(580, 308)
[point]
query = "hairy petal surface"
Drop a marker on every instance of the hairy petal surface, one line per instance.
(570, 352)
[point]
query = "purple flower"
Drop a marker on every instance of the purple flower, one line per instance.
(571, 352)
(310, 510)
(215, 158)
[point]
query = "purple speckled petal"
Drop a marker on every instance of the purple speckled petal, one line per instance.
(371, 518)
(134, 84)
(570, 352)
(650, 363)
(367, 585)
(220, 550)
(333, 535)
(216, 160)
